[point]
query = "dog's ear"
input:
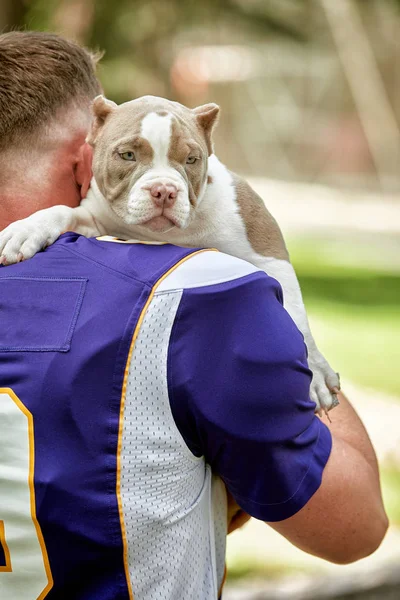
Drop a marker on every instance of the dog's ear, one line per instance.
(207, 117)
(101, 109)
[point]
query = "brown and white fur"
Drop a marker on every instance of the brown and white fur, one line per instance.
(156, 179)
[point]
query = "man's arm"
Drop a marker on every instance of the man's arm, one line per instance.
(239, 390)
(345, 520)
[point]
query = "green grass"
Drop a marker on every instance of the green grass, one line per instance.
(390, 478)
(354, 311)
(250, 569)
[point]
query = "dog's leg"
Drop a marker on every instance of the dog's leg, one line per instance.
(325, 383)
(250, 232)
(24, 238)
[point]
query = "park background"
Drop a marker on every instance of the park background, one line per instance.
(310, 98)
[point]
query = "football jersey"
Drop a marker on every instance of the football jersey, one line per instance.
(134, 379)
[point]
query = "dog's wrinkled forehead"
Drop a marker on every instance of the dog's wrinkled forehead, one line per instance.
(169, 128)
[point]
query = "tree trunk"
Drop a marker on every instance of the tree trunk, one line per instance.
(11, 14)
(365, 81)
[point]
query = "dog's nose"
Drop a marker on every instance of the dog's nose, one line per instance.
(163, 194)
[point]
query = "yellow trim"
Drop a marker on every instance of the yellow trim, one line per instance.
(39, 534)
(122, 407)
(222, 582)
(7, 568)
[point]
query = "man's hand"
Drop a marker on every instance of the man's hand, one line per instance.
(345, 520)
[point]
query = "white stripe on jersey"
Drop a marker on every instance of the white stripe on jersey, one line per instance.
(166, 491)
(175, 511)
(206, 268)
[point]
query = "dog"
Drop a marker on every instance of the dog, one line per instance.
(156, 178)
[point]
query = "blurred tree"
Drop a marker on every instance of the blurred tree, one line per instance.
(75, 18)
(11, 13)
(139, 36)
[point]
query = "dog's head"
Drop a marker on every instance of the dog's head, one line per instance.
(150, 159)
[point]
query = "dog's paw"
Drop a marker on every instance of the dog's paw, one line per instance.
(23, 239)
(325, 383)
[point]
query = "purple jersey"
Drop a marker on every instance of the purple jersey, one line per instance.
(67, 321)
(134, 379)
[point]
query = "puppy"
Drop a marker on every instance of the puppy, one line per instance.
(155, 178)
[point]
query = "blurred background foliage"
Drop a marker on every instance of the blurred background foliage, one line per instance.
(309, 90)
(310, 97)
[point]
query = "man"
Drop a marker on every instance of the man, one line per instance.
(129, 371)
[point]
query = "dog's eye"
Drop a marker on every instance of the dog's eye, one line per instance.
(128, 156)
(191, 160)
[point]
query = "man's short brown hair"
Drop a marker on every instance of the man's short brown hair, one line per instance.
(39, 74)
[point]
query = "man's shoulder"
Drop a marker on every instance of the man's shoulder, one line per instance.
(207, 268)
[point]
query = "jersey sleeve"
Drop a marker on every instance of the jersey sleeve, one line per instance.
(239, 383)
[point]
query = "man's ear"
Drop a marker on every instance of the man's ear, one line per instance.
(207, 117)
(101, 109)
(83, 169)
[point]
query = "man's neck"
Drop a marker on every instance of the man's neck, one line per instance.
(13, 208)
(42, 175)
(24, 184)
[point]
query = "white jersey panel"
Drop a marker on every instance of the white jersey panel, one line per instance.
(206, 268)
(175, 517)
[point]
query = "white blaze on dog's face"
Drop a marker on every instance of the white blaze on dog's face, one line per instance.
(150, 159)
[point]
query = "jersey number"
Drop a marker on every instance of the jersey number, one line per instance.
(24, 566)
